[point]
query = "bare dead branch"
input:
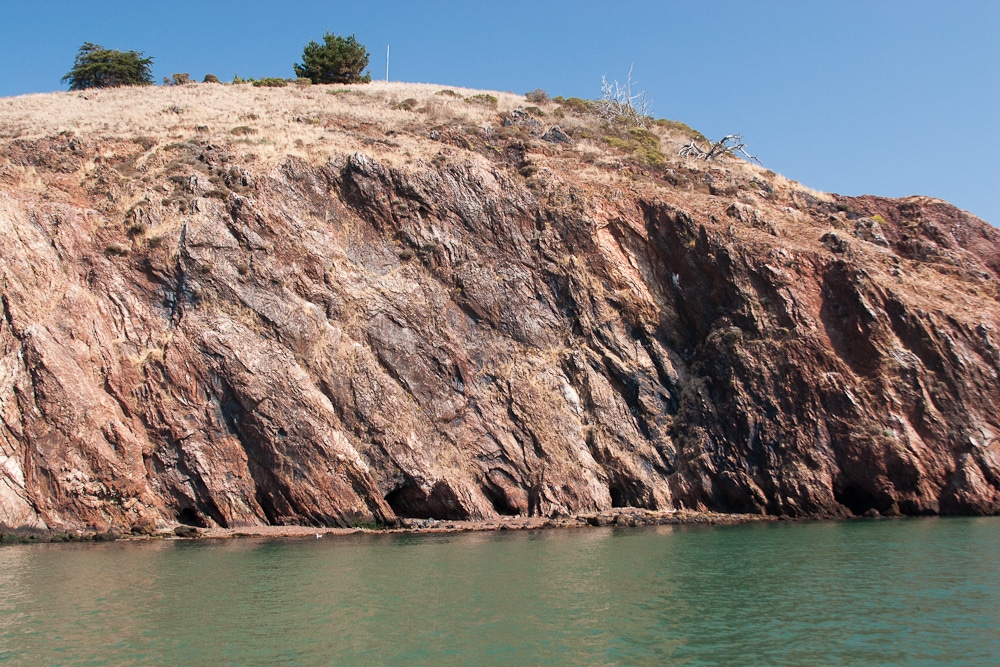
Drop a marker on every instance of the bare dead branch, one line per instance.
(619, 103)
(728, 145)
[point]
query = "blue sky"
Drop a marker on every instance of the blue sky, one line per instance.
(882, 97)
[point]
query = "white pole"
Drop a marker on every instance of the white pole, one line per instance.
(387, 63)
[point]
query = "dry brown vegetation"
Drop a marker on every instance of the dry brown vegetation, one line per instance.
(153, 134)
(311, 122)
(388, 121)
(150, 134)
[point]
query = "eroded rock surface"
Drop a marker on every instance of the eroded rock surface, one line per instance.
(219, 341)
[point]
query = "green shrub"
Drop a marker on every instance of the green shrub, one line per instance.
(98, 67)
(447, 93)
(535, 111)
(178, 79)
(577, 105)
(337, 60)
(210, 78)
(618, 142)
(643, 144)
(483, 100)
(270, 82)
(409, 104)
(644, 137)
(678, 126)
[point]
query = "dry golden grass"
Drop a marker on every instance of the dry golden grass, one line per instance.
(308, 121)
(318, 123)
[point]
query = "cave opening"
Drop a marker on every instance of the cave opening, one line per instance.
(618, 496)
(440, 502)
(501, 503)
(191, 517)
(857, 499)
(631, 493)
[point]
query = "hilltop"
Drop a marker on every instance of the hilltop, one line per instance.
(231, 306)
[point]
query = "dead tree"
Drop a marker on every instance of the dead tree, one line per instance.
(619, 103)
(727, 145)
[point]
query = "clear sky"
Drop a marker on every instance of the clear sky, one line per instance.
(892, 97)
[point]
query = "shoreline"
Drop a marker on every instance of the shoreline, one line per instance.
(625, 517)
(619, 517)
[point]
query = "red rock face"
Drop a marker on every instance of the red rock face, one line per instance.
(347, 343)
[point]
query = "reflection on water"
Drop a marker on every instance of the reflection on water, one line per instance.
(887, 592)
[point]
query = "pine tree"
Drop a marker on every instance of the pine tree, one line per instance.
(337, 60)
(98, 67)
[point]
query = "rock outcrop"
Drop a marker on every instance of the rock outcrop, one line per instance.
(194, 333)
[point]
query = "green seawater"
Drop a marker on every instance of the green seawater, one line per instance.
(889, 592)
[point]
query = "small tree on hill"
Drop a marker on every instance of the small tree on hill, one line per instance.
(337, 60)
(98, 67)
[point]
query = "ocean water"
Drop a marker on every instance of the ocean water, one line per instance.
(880, 592)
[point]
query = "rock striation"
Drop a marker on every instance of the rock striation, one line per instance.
(192, 333)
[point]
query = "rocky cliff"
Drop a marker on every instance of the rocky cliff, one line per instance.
(227, 306)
